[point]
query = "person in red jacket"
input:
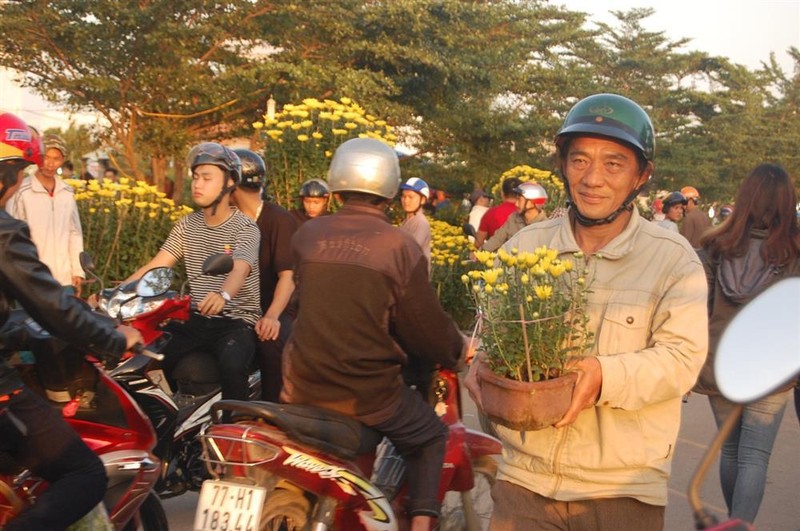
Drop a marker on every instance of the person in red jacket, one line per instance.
(494, 218)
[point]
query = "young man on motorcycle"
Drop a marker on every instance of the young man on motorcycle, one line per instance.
(275, 270)
(227, 308)
(365, 300)
(32, 433)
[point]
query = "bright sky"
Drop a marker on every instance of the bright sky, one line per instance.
(746, 31)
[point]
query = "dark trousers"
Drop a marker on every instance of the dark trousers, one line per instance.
(519, 509)
(36, 437)
(270, 360)
(232, 342)
(420, 437)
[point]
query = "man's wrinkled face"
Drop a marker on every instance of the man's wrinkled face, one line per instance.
(601, 174)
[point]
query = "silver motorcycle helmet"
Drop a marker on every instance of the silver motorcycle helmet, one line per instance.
(365, 165)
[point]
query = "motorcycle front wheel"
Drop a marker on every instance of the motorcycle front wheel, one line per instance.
(151, 516)
(471, 510)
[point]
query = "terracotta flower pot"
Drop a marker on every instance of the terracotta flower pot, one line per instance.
(524, 406)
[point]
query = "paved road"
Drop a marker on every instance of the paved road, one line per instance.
(780, 510)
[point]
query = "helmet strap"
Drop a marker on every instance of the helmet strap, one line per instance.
(218, 200)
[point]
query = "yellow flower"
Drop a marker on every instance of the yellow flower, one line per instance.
(543, 292)
(302, 138)
(258, 125)
(346, 100)
(350, 125)
(316, 134)
(339, 132)
(484, 256)
(490, 276)
(140, 204)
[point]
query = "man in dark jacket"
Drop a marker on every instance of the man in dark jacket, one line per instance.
(364, 301)
(31, 432)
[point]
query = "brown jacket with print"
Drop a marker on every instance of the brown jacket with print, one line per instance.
(364, 300)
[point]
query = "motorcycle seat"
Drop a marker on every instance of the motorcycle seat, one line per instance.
(328, 431)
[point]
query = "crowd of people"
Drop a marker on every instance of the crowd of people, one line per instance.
(662, 294)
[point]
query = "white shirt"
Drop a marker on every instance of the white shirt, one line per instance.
(54, 223)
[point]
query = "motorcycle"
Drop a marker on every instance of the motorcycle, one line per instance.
(178, 415)
(110, 422)
(775, 314)
(279, 466)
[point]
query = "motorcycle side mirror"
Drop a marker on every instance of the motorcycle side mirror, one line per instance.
(760, 349)
(87, 262)
(218, 264)
(155, 282)
(469, 230)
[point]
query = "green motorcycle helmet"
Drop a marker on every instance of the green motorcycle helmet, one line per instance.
(612, 116)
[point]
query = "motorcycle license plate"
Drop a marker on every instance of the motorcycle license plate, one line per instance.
(225, 505)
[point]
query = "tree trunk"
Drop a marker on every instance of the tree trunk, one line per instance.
(180, 176)
(158, 166)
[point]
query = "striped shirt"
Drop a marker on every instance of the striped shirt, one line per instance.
(192, 241)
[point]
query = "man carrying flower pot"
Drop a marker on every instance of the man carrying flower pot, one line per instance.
(606, 463)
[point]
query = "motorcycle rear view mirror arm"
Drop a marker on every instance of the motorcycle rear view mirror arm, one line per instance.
(215, 265)
(87, 264)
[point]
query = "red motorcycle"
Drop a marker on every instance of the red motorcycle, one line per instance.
(111, 423)
(178, 412)
(279, 466)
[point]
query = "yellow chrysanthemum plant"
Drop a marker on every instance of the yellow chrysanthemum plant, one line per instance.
(124, 223)
(449, 260)
(556, 195)
(531, 311)
(300, 140)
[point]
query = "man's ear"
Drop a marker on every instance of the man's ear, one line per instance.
(645, 175)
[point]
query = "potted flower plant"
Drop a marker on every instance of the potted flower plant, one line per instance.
(531, 318)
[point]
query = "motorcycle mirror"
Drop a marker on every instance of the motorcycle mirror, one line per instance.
(87, 262)
(217, 264)
(155, 282)
(469, 230)
(760, 349)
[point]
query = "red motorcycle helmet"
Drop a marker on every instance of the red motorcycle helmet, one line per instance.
(20, 146)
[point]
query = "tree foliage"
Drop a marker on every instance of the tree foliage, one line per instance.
(477, 87)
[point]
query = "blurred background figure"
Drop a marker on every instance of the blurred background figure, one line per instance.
(724, 212)
(756, 247)
(695, 222)
(480, 204)
(414, 194)
(111, 175)
(494, 218)
(314, 198)
(531, 198)
(673, 207)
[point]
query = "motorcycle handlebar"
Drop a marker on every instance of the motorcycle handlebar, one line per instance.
(139, 349)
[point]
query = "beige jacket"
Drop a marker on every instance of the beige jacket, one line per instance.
(55, 226)
(648, 310)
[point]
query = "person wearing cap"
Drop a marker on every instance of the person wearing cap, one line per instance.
(673, 207)
(414, 194)
(480, 204)
(275, 264)
(47, 204)
(605, 465)
(531, 198)
(365, 300)
(225, 307)
(497, 215)
(695, 222)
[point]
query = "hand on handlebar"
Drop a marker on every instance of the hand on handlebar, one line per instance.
(212, 304)
(132, 336)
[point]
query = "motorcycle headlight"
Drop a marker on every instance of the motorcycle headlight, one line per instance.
(138, 306)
